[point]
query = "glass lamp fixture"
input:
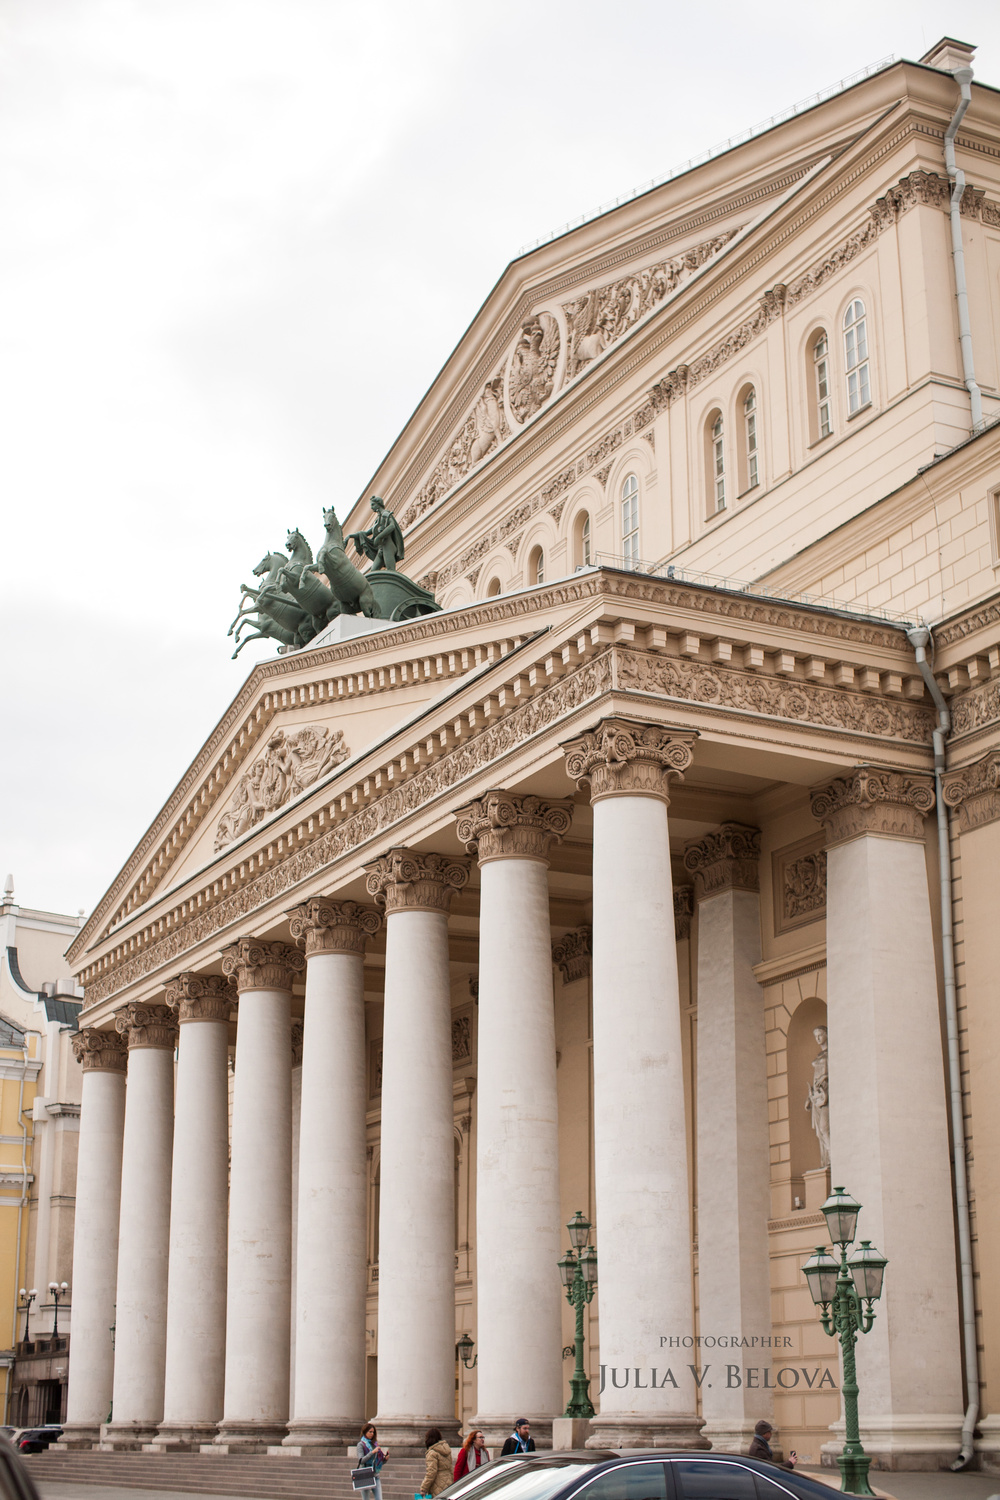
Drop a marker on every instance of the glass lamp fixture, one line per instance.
(464, 1349)
(841, 1211)
(567, 1268)
(867, 1267)
(579, 1230)
(588, 1264)
(820, 1271)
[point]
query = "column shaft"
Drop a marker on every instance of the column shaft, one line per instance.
(258, 1311)
(95, 1244)
(331, 1269)
(196, 1284)
(734, 1292)
(519, 1313)
(640, 1150)
(144, 1231)
(416, 1368)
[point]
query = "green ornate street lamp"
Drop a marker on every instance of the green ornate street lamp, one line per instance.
(839, 1291)
(578, 1269)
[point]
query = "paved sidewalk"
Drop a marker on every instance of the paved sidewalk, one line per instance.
(63, 1491)
(940, 1486)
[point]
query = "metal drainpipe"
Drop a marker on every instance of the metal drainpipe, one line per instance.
(963, 77)
(920, 639)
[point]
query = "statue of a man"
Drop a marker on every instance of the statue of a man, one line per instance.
(383, 541)
(818, 1097)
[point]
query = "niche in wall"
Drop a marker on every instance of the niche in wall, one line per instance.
(802, 1048)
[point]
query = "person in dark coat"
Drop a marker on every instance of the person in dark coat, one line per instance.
(761, 1446)
(520, 1440)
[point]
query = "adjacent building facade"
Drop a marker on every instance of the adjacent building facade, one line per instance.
(615, 886)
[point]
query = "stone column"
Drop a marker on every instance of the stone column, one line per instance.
(888, 1120)
(640, 1156)
(144, 1227)
(732, 1145)
(331, 1248)
(104, 1057)
(416, 1299)
(518, 1231)
(974, 794)
(196, 1284)
(258, 1314)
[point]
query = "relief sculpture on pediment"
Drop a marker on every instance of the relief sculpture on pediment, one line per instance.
(531, 376)
(292, 762)
(483, 428)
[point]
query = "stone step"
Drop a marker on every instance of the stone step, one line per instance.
(257, 1477)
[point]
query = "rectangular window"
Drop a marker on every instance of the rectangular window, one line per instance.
(821, 356)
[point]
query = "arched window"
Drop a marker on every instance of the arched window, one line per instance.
(493, 588)
(716, 464)
(536, 566)
(823, 418)
(856, 356)
(750, 475)
(584, 548)
(630, 519)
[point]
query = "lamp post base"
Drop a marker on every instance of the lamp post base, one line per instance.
(854, 1473)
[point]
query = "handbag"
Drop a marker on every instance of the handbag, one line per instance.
(363, 1478)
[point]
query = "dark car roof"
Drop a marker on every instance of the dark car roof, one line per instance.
(803, 1484)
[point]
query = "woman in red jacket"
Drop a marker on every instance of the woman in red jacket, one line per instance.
(472, 1454)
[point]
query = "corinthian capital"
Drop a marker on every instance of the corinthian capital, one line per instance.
(501, 825)
(975, 792)
(262, 966)
(404, 880)
(890, 803)
(201, 997)
(726, 860)
(683, 911)
(147, 1025)
(623, 759)
(323, 926)
(100, 1051)
(573, 953)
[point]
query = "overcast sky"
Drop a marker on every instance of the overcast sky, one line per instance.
(239, 239)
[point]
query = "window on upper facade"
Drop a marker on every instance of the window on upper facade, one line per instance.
(716, 464)
(536, 566)
(856, 356)
(750, 466)
(583, 549)
(493, 588)
(821, 387)
(630, 519)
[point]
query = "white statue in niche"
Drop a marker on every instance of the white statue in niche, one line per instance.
(818, 1097)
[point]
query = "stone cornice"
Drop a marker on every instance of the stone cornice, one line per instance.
(100, 1051)
(326, 926)
(975, 792)
(573, 953)
(502, 825)
(201, 997)
(620, 758)
(969, 622)
(407, 880)
(874, 801)
(147, 1026)
(728, 859)
(262, 966)
(683, 911)
(790, 966)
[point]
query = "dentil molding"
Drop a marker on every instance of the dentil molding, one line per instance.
(324, 926)
(892, 804)
(502, 825)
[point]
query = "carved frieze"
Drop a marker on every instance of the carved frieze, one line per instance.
(262, 966)
(147, 1025)
(100, 1051)
(798, 876)
(978, 709)
(975, 792)
(513, 522)
(201, 997)
(623, 759)
(683, 911)
(727, 859)
(461, 1037)
(325, 926)
(482, 428)
(405, 880)
(293, 761)
(601, 316)
(502, 825)
(531, 374)
(869, 800)
(573, 953)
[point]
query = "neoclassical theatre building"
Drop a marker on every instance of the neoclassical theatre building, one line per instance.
(650, 876)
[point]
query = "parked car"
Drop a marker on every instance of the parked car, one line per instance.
(37, 1439)
(15, 1481)
(649, 1475)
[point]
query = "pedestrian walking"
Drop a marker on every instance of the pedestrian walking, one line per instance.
(520, 1440)
(472, 1454)
(761, 1446)
(437, 1461)
(371, 1456)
